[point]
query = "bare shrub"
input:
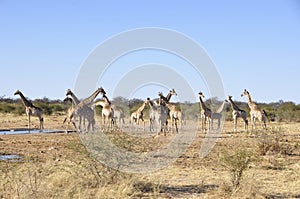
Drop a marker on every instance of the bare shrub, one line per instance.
(272, 142)
(65, 179)
(236, 163)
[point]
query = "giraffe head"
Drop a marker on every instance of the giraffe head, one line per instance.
(245, 93)
(69, 92)
(102, 91)
(173, 92)
(149, 100)
(201, 94)
(17, 92)
(162, 99)
(229, 97)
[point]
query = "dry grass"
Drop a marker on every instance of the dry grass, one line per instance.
(58, 166)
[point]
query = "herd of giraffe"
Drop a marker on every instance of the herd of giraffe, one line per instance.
(161, 110)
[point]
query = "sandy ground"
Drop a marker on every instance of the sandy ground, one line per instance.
(269, 176)
(11, 121)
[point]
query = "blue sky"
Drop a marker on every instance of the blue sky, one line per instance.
(254, 44)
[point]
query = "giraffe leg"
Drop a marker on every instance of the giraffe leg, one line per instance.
(29, 123)
(204, 123)
(66, 131)
(143, 124)
(73, 122)
(41, 122)
(245, 124)
(264, 121)
(252, 122)
(176, 128)
(84, 127)
(180, 122)
(92, 124)
(235, 123)
(88, 126)
(150, 121)
(68, 123)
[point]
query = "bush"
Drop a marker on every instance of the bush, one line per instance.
(57, 108)
(272, 141)
(7, 107)
(236, 163)
(288, 112)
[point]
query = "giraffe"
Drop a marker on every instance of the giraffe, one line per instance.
(82, 106)
(70, 114)
(75, 101)
(174, 113)
(236, 113)
(138, 114)
(31, 110)
(218, 114)
(107, 110)
(167, 98)
(118, 114)
(171, 92)
(205, 112)
(158, 115)
(85, 113)
(255, 112)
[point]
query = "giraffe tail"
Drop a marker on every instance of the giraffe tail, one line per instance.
(265, 113)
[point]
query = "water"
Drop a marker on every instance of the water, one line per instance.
(11, 158)
(24, 131)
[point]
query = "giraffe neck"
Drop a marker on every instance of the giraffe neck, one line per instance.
(25, 101)
(75, 99)
(90, 98)
(142, 107)
(233, 105)
(221, 107)
(151, 104)
(249, 98)
(106, 99)
(202, 103)
(168, 97)
(251, 104)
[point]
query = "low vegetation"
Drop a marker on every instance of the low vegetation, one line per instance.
(236, 162)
